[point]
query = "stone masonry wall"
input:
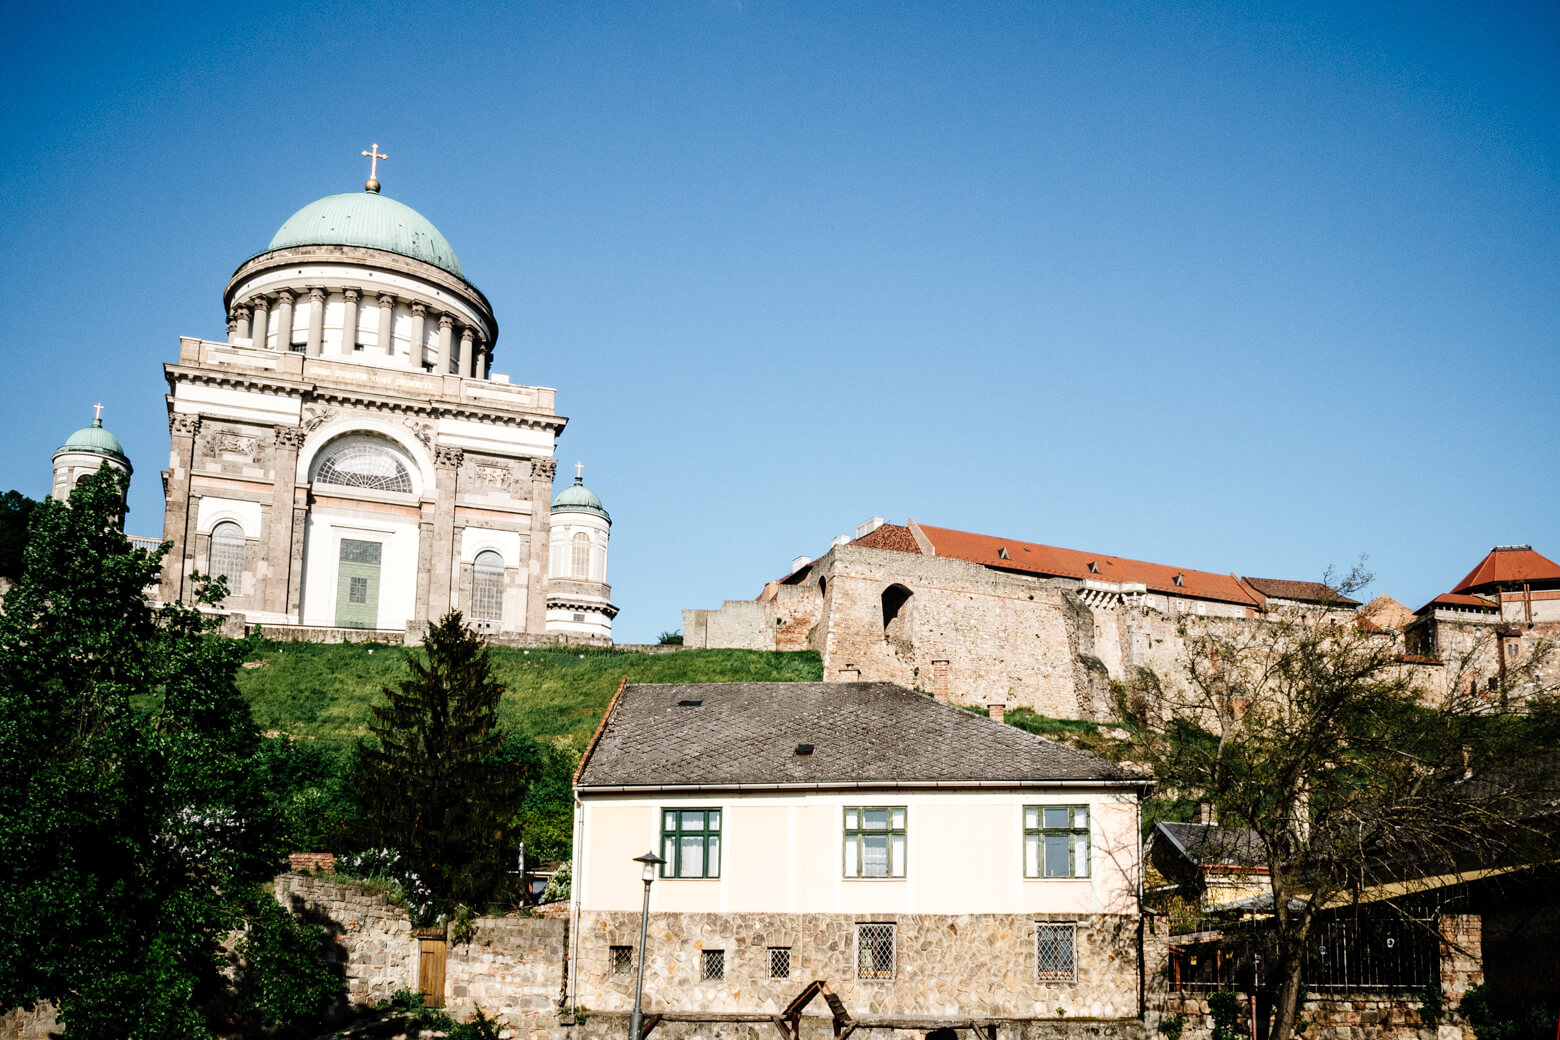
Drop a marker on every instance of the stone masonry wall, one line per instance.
(945, 966)
(370, 940)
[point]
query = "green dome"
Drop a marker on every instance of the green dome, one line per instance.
(579, 499)
(366, 218)
(96, 440)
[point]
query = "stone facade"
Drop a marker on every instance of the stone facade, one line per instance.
(945, 966)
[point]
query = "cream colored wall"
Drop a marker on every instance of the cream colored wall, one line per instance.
(784, 853)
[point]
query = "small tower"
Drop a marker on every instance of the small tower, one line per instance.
(86, 451)
(579, 600)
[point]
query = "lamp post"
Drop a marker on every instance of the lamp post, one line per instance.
(651, 861)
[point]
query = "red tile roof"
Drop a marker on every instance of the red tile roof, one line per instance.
(1304, 591)
(1514, 564)
(1453, 599)
(889, 536)
(1029, 558)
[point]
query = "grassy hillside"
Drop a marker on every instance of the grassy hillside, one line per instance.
(322, 692)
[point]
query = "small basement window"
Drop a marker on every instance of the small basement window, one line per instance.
(622, 960)
(779, 962)
(713, 965)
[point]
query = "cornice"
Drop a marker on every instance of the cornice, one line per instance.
(582, 607)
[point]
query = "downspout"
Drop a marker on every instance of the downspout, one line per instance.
(574, 902)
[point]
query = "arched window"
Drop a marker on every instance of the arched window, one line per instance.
(487, 587)
(580, 564)
(227, 555)
(361, 462)
(896, 602)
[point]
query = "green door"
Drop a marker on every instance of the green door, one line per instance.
(357, 585)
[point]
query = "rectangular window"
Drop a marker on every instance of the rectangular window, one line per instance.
(1056, 951)
(875, 951)
(622, 960)
(779, 962)
(713, 965)
(875, 841)
(1056, 841)
(690, 843)
(357, 591)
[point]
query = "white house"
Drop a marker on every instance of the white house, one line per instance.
(926, 864)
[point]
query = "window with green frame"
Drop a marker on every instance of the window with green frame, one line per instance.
(1056, 841)
(875, 841)
(690, 843)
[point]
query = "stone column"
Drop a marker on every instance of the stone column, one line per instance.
(279, 539)
(316, 322)
(1462, 955)
(446, 324)
(486, 367)
(349, 322)
(178, 521)
(386, 323)
(542, 471)
(424, 563)
(419, 319)
(446, 462)
(468, 346)
(284, 316)
(242, 313)
(232, 324)
(262, 320)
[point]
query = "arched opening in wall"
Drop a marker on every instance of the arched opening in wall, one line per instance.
(364, 462)
(823, 587)
(227, 555)
(896, 611)
(487, 589)
(579, 564)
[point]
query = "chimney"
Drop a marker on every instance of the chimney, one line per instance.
(869, 525)
(800, 562)
(940, 680)
(997, 710)
(1205, 813)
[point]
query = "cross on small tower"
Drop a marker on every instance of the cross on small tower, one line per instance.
(579, 472)
(97, 412)
(373, 155)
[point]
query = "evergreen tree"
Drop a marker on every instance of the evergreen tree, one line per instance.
(132, 828)
(435, 782)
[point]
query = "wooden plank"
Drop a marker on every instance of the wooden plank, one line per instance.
(812, 989)
(648, 1023)
(431, 956)
(794, 1029)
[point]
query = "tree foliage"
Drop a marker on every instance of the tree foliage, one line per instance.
(1316, 737)
(16, 511)
(133, 828)
(435, 781)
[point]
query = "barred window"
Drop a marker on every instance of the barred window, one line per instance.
(1056, 951)
(713, 965)
(357, 590)
(359, 462)
(690, 843)
(487, 587)
(580, 564)
(227, 555)
(875, 841)
(779, 962)
(875, 951)
(1056, 841)
(622, 960)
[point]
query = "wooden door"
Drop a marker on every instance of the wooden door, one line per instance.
(430, 971)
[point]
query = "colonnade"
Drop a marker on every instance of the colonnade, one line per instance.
(469, 347)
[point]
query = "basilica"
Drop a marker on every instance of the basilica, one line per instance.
(348, 459)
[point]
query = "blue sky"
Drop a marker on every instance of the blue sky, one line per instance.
(1236, 287)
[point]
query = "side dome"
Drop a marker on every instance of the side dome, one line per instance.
(96, 441)
(579, 499)
(368, 219)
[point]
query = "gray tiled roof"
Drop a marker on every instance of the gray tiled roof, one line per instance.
(747, 733)
(1210, 845)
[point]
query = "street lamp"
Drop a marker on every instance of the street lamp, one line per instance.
(651, 861)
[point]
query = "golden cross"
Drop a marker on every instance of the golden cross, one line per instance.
(579, 471)
(373, 155)
(97, 412)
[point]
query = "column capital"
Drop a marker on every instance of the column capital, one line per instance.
(387, 299)
(446, 322)
(290, 437)
(543, 469)
(183, 424)
(241, 310)
(232, 322)
(467, 334)
(419, 308)
(259, 302)
(318, 295)
(285, 296)
(352, 295)
(448, 457)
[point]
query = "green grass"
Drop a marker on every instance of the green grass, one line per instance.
(317, 691)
